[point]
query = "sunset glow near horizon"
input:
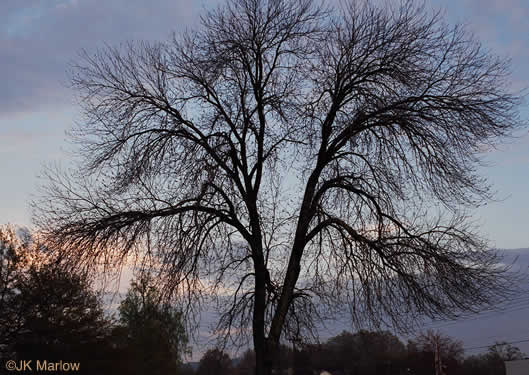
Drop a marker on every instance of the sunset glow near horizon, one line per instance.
(39, 39)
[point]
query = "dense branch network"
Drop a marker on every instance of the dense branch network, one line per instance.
(296, 162)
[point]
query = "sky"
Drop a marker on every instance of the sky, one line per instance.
(39, 39)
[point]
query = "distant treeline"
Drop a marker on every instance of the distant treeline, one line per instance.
(367, 353)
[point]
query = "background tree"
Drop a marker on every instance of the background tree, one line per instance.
(345, 141)
(185, 369)
(215, 361)
(447, 346)
(421, 352)
(152, 334)
(62, 317)
(246, 364)
(505, 351)
(476, 365)
(492, 362)
(363, 352)
(45, 312)
(496, 356)
(13, 261)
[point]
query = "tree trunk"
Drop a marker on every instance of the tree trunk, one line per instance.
(258, 323)
(265, 355)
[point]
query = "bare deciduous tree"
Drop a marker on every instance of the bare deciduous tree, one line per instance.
(295, 161)
(434, 341)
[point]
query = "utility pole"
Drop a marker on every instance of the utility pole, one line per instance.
(438, 362)
(436, 358)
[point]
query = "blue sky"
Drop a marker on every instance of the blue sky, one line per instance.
(39, 38)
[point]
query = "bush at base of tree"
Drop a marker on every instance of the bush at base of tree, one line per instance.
(215, 361)
(151, 333)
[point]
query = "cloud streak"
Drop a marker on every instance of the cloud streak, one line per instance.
(39, 39)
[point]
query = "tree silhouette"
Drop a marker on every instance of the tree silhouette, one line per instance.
(46, 313)
(13, 261)
(61, 317)
(448, 347)
(215, 361)
(363, 352)
(492, 362)
(246, 365)
(422, 352)
(497, 354)
(505, 351)
(297, 161)
(152, 333)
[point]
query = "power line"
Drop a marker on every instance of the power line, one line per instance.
(488, 346)
(498, 336)
(517, 304)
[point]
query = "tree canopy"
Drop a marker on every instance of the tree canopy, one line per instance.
(155, 335)
(215, 361)
(294, 162)
(45, 312)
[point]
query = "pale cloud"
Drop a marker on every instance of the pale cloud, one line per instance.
(39, 39)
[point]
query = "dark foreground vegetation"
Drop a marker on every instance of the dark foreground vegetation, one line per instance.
(48, 314)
